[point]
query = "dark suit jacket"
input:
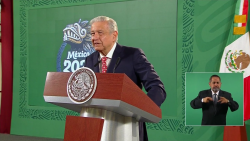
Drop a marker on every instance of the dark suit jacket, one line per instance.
(135, 65)
(214, 114)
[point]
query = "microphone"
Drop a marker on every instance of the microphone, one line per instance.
(98, 62)
(117, 62)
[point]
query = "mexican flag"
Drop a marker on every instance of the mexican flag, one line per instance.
(236, 59)
(236, 55)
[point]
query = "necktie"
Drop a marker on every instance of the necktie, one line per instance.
(215, 98)
(104, 65)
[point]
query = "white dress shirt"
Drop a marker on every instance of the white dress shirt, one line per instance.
(109, 57)
(217, 94)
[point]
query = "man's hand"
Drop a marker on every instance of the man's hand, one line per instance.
(223, 100)
(207, 99)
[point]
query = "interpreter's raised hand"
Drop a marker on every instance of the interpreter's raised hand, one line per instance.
(207, 99)
(223, 100)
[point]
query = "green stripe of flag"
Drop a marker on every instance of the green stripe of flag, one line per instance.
(231, 36)
(237, 10)
(237, 7)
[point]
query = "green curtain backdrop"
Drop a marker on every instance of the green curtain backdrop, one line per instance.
(231, 82)
(176, 36)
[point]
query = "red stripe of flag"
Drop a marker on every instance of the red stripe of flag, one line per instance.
(247, 98)
(245, 11)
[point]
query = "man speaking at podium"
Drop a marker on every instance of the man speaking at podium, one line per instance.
(110, 57)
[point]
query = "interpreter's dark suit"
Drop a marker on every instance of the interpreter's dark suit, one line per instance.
(135, 65)
(214, 114)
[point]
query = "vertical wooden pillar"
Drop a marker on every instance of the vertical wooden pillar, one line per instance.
(235, 133)
(83, 129)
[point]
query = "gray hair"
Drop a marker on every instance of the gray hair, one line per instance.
(111, 23)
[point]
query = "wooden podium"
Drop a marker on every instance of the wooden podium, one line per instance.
(111, 114)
